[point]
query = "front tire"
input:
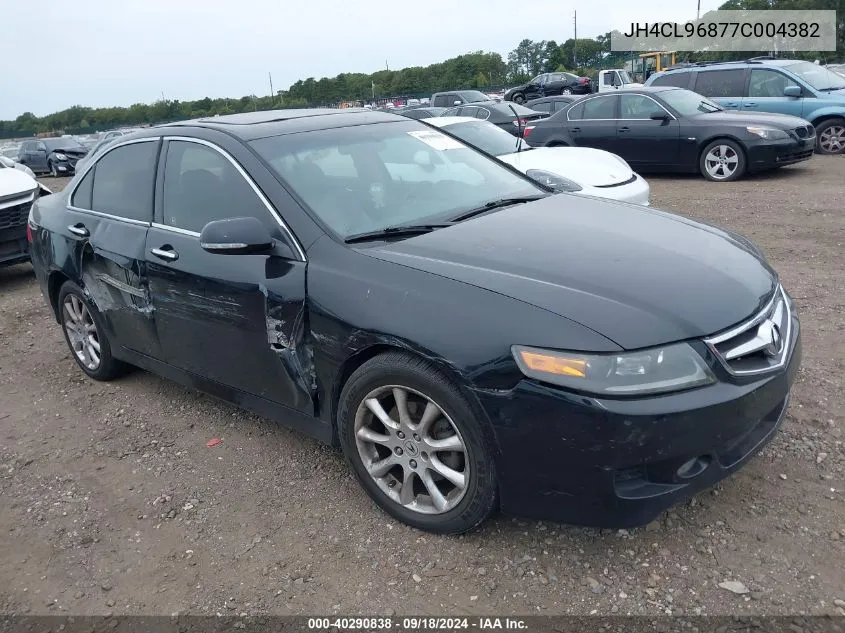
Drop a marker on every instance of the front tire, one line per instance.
(830, 137)
(53, 171)
(83, 329)
(722, 160)
(519, 98)
(416, 446)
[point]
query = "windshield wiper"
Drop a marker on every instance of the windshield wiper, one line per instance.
(495, 204)
(831, 89)
(406, 230)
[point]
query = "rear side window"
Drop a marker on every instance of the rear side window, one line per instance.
(469, 110)
(124, 181)
(676, 80)
(600, 108)
(576, 112)
(542, 107)
(82, 196)
(720, 83)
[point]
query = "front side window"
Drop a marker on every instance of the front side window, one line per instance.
(201, 185)
(720, 83)
(542, 107)
(123, 181)
(768, 83)
(688, 103)
(404, 173)
(639, 107)
(485, 136)
(676, 80)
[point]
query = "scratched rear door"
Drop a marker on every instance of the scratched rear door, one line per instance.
(233, 319)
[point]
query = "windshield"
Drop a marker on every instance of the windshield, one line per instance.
(473, 96)
(625, 77)
(688, 103)
(367, 177)
(817, 76)
(62, 143)
(485, 136)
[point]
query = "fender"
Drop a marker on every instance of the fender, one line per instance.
(827, 112)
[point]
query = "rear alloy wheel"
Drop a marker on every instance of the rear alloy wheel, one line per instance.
(830, 137)
(519, 98)
(415, 445)
(84, 334)
(566, 91)
(722, 161)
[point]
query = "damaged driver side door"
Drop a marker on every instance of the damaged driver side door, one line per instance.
(237, 320)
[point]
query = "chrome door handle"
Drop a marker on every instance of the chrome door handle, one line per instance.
(750, 105)
(168, 254)
(78, 229)
(624, 128)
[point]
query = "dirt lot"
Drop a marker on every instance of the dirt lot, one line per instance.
(110, 500)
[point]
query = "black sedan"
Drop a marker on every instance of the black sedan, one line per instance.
(550, 105)
(55, 156)
(469, 340)
(509, 116)
(420, 112)
(673, 129)
(550, 84)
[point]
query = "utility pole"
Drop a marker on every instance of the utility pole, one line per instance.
(385, 65)
(698, 11)
(575, 41)
(272, 94)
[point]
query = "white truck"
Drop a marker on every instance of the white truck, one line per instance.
(615, 78)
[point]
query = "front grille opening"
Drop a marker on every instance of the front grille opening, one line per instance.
(15, 215)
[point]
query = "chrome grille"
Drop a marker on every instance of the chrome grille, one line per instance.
(759, 345)
(14, 211)
(805, 131)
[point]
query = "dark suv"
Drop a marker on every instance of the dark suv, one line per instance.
(783, 86)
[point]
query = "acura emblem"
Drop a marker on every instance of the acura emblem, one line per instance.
(770, 332)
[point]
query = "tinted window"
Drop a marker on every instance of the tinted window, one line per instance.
(542, 107)
(558, 77)
(688, 103)
(124, 180)
(483, 114)
(82, 196)
(600, 108)
(768, 83)
(607, 79)
(451, 98)
(639, 107)
(440, 101)
(720, 83)
(469, 110)
(576, 112)
(677, 80)
(201, 185)
(450, 112)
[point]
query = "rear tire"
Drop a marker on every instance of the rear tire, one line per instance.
(566, 91)
(443, 476)
(830, 137)
(82, 326)
(723, 160)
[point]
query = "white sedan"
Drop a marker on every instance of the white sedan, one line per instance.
(579, 170)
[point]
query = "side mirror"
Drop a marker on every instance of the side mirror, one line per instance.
(236, 236)
(792, 91)
(457, 102)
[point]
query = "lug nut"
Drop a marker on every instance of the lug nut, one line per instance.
(424, 455)
(416, 437)
(398, 450)
(413, 463)
(391, 484)
(400, 435)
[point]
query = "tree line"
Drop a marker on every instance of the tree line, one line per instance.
(480, 70)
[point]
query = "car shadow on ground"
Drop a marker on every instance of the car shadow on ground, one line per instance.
(789, 172)
(14, 277)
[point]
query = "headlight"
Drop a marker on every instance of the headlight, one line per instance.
(555, 181)
(60, 156)
(657, 370)
(768, 133)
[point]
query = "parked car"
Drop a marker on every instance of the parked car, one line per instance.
(457, 97)
(107, 136)
(56, 156)
(18, 190)
(549, 84)
(509, 116)
(10, 151)
(420, 112)
(672, 129)
(8, 162)
(581, 170)
(550, 105)
(471, 343)
(785, 86)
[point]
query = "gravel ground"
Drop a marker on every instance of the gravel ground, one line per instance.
(110, 501)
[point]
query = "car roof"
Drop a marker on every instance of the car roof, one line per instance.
(443, 121)
(249, 126)
(737, 64)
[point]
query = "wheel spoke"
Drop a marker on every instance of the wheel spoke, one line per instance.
(93, 355)
(77, 308)
(377, 410)
(452, 475)
(431, 414)
(406, 493)
(437, 497)
(452, 443)
(380, 468)
(368, 435)
(401, 397)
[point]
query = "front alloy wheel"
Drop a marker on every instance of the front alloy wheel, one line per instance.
(722, 161)
(831, 137)
(417, 445)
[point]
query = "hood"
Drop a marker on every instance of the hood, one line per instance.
(634, 84)
(834, 95)
(639, 277)
(70, 151)
(780, 121)
(15, 182)
(584, 165)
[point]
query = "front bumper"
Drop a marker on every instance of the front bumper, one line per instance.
(620, 463)
(764, 155)
(13, 246)
(637, 191)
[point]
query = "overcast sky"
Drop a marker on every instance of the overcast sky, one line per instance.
(107, 52)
